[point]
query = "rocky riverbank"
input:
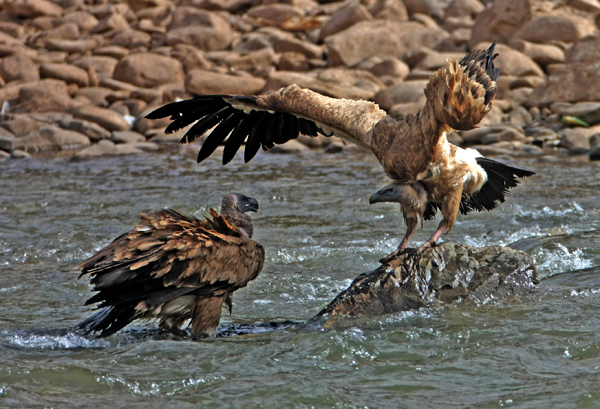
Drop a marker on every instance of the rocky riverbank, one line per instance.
(80, 76)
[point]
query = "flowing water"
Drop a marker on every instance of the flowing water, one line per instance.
(319, 232)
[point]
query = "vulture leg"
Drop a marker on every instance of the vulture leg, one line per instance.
(412, 221)
(450, 206)
(206, 315)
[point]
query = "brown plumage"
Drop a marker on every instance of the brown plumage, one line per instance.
(174, 267)
(428, 172)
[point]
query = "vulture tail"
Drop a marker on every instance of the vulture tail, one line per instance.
(501, 178)
(109, 320)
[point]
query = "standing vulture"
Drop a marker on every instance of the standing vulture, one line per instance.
(175, 267)
(428, 172)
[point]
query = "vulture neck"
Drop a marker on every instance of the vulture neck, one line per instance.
(238, 219)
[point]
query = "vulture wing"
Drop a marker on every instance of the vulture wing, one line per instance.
(263, 121)
(166, 256)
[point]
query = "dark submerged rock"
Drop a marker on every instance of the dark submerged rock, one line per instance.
(445, 274)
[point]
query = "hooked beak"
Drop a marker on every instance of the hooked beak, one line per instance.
(251, 205)
(375, 198)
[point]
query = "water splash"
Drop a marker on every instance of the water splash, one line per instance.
(558, 260)
(68, 340)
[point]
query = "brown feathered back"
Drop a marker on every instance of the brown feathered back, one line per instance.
(163, 266)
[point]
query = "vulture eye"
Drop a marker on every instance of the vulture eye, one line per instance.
(388, 191)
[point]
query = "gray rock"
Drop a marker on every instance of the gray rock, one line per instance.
(577, 140)
(201, 82)
(50, 138)
(289, 147)
(344, 18)
(19, 154)
(447, 274)
(127, 137)
(334, 82)
(402, 93)
(92, 130)
(106, 118)
(578, 83)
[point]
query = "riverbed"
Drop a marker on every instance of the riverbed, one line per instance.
(319, 232)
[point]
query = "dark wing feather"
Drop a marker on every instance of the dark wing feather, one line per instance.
(501, 178)
(288, 113)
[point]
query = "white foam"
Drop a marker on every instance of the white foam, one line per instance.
(46, 341)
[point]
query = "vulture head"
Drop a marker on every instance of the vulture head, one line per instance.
(233, 208)
(413, 194)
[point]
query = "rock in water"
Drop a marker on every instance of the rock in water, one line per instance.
(444, 274)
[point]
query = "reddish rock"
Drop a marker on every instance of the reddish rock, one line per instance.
(104, 117)
(344, 18)
(114, 51)
(434, 8)
(394, 10)
(200, 82)
(577, 84)
(577, 140)
(96, 95)
(20, 125)
(127, 137)
(190, 57)
(92, 130)
(45, 96)
(513, 62)
(12, 29)
(50, 138)
(65, 72)
(71, 46)
(205, 30)
(559, 27)
(84, 20)
(290, 147)
(251, 62)
(275, 13)
(402, 93)
(107, 148)
(311, 50)
(109, 23)
(435, 60)
(102, 66)
(131, 39)
(18, 68)
(32, 8)
(334, 82)
(148, 70)
(379, 38)
(542, 54)
(462, 8)
(585, 50)
(391, 67)
(291, 61)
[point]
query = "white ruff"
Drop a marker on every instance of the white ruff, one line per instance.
(476, 175)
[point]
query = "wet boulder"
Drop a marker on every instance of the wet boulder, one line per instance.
(449, 273)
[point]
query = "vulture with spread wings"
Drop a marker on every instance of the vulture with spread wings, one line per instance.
(428, 172)
(174, 267)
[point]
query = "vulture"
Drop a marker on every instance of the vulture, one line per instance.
(173, 267)
(428, 173)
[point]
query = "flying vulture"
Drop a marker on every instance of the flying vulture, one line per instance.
(428, 172)
(174, 267)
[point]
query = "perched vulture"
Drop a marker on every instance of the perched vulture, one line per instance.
(428, 172)
(174, 267)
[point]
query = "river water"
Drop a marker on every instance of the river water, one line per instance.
(319, 232)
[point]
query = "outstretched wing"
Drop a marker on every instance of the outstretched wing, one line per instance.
(458, 97)
(264, 121)
(168, 255)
